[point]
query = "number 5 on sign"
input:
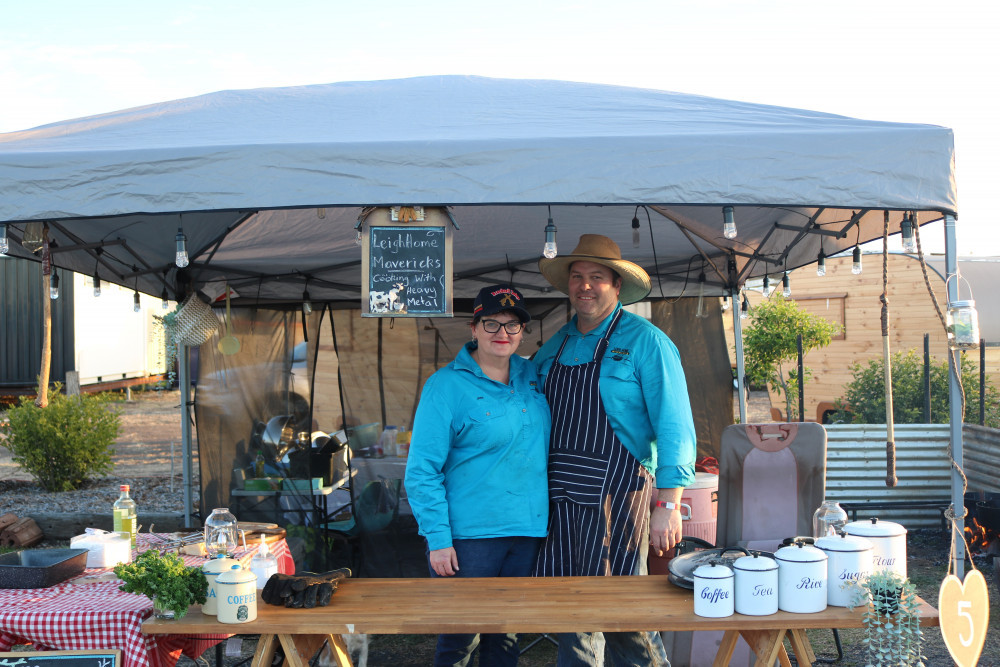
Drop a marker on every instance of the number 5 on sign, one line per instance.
(965, 615)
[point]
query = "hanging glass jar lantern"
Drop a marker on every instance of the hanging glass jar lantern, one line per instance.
(220, 533)
(962, 321)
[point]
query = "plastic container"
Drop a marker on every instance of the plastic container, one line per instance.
(126, 517)
(701, 499)
(388, 440)
(263, 564)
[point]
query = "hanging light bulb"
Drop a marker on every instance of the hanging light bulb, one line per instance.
(635, 228)
(181, 258)
(53, 286)
(136, 306)
(856, 260)
(726, 304)
(307, 306)
(4, 243)
(164, 300)
(700, 311)
(728, 222)
(745, 308)
(821, 264)
(97, 284)
(766, 289)
(786, 286)
(549, 250)
(906, 227)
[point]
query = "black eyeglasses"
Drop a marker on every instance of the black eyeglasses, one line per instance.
(493, 326)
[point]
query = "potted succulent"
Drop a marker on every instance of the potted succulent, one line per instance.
(164, 579)
(891, 621)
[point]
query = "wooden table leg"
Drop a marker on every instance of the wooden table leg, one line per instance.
(263, 656)
(801, 647)
(726, 648)
(767, 646)
(299, 650)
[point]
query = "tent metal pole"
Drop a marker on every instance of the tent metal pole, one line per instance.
(738, 337)
(184, 377)
(956, 418)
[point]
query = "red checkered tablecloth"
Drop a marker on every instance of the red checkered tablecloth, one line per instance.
(85, 613)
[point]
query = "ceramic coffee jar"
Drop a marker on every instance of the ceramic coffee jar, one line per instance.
(849, 561)
(888, 540)
(802, 578)
(756, 585)
(237, 590)
(713, 590)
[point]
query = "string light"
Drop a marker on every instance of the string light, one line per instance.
(53, 285)
(906, 227)
(766, 289)
(4, 243)
(856, 260)
(726, 304)
(700, 311)
(164, 301)
(728, 222)
(181, 257)
(821, 263)
(786, 286)
(136, 306)
(635, 228)
(745, 308)
(549, 250)
(307, 306)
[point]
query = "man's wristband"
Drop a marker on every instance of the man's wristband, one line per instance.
(666, 504)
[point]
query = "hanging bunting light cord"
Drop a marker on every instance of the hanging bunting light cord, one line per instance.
(890, 436)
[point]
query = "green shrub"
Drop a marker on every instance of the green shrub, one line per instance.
(863, 401)
(66, 443)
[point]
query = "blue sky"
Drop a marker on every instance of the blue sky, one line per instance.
(911, 61)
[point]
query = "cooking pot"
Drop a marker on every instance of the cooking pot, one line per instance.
(691, 552)
(988, 514)
(888, 540)
(802, 578)
(278, 437)
(713, 590)
(756, 585)
(849, 562)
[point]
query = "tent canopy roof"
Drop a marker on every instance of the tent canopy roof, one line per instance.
(244, 172)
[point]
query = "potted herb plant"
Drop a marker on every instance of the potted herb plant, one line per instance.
(164, 579)
(891, 621)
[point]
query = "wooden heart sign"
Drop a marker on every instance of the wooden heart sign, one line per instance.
(965, 614)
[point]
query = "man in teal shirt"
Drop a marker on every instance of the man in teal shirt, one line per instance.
(622, 438)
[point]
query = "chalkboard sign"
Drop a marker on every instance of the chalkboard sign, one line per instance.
(96, 658)
(407, 270)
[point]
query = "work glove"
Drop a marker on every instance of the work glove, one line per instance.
(305, 590)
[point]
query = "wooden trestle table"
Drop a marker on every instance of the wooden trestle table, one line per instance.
(525, 605)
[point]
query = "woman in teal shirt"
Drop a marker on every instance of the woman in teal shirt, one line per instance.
(476, 473)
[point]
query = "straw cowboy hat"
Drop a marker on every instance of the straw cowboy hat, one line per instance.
(600, 250)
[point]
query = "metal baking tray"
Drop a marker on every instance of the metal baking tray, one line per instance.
(40, 568)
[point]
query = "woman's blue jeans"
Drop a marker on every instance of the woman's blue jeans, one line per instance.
(487, 557)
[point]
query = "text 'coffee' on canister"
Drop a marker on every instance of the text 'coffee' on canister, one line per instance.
(713, 590)
(237, 596)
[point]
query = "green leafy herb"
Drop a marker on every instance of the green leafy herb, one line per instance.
(166, 578)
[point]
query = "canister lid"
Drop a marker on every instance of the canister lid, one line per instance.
(800, 553)
(217, 565)
(755, 563)
(237, 575)
(874, 528)
(705, 480)
(713, 570)
(844, 543)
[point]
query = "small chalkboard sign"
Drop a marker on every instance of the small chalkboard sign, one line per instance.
(95, 658)
(407, 270)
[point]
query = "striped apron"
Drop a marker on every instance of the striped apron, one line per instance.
(599, 493)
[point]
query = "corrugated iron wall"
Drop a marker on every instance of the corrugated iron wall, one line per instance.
(981, 450)
(21, 293)
(855, 469)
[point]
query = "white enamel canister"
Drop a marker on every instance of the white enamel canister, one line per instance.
(756, 585)
(888, 540)
(237, 589)
(802, 578)
(212, 570)
(849, 561)
(713, 590)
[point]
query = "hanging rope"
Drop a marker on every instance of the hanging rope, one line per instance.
(890, 436)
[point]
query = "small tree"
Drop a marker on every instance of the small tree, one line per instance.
(863, 401)
(771, 342)
(64, 444)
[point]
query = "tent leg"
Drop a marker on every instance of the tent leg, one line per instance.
(738, 337)
(184, 376)
(956, 418)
